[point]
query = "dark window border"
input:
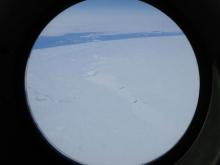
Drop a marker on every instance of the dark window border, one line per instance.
(24, 20)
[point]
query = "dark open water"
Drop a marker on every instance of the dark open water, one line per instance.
(79, 38)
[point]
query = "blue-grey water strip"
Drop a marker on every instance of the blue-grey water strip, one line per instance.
(79, 38)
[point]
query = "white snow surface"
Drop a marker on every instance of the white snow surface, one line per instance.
(114, 102)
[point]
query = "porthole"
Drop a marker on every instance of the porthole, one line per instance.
(112, 84)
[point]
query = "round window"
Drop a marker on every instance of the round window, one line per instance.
(112, 83)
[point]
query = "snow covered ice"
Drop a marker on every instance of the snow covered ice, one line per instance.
(115, 101)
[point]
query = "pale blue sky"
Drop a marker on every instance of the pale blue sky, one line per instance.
(115, 16)
(115, 5)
